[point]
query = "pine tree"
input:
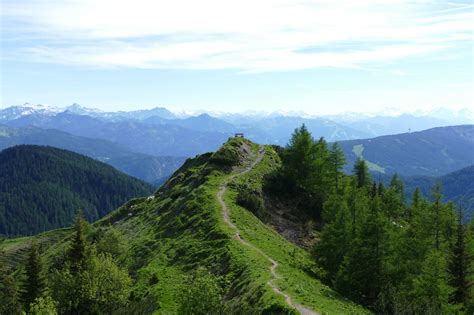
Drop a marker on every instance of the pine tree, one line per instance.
(436, 212)
(459, 264)
(335, 236)
(35, 283)
(337, 161)
(299, 159)
(77, 251)
(360, 276)
(361, 171)
(397, 184)
(431, 290)
(8, 291)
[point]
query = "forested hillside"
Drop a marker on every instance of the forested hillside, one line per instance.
(146, 167)
(433, 152)
(457, 186)
(41, 188)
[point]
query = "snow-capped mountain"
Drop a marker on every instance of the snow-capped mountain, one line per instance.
(14, 112)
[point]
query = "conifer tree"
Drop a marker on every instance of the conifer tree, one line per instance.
(431, 290)
(35, 283)
(361, 172)
(335, 236)
(8, 291)
(436, 213)
(299, 158)
(459, 264)
(77, 251)
(337, 161)
(397, 184)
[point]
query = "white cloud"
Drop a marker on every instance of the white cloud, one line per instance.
(264, 35)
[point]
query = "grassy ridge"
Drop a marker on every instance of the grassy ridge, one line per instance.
(182, 228)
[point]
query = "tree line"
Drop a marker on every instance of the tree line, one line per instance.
(393, 255)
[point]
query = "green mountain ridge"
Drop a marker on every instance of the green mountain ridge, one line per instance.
(432, 152)
(194, 221)
(41, 188)
(457, 187)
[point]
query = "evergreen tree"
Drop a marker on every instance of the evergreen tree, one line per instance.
(35, 283)
(459, 264)
(8, 291)
(431, 290)
(77, 252)
(436, 210)
(299, 159)
(335, 236)
(361, 172)
(397, 184)
(360, 276)
(337, 161)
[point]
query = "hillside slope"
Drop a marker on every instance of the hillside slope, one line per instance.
(433, 152)
(193, 221)
(41, 188)
(457, 186)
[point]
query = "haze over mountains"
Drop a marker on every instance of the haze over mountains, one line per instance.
(151, 144)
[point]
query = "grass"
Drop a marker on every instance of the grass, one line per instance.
(182, 228)
(295, 264)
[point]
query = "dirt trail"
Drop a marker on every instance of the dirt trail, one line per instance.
(274, 264)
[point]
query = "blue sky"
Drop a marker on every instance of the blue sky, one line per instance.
(314, 56)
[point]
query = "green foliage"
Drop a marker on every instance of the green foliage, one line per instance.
(8, 290)
(361, 172)
(459, 264)
(42, 187)
(431, 291)
(250, 200)
(228, 155)
(115, 244)
(76, 255)
(309, 170)
(34, 286)
(395, 258)
(101, 286)
(43, 306)
(337, 161)
(202, 296)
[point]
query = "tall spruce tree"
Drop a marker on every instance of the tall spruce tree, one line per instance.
(8, 290)
(460, 261)
(337, 161)
(299, 159)
(77, 255)
(34, 285)
(361, 172)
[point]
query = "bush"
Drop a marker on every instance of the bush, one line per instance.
(251, 201)
(202, 296)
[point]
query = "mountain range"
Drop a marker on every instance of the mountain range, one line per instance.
(146, 167)
(151, 144)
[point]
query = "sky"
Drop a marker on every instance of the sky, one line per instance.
(319, 57)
